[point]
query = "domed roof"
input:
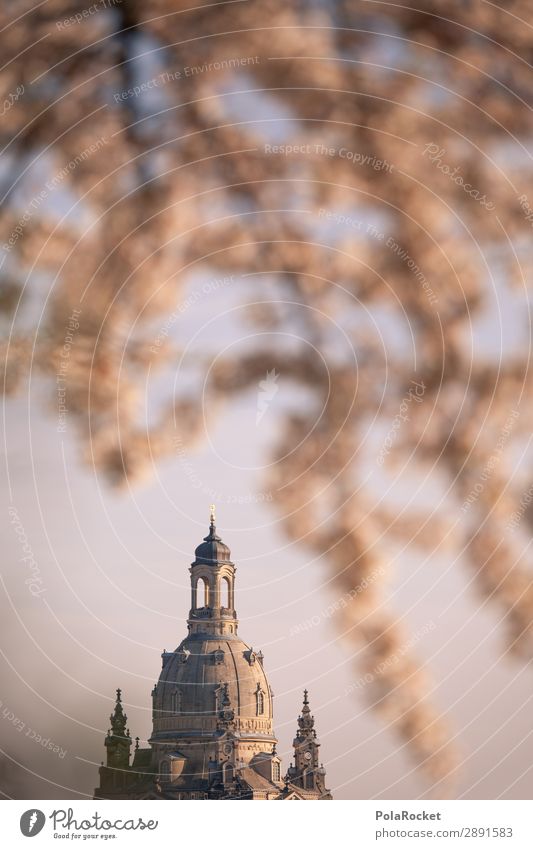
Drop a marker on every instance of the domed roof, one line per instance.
(212, 550)
(202, 672)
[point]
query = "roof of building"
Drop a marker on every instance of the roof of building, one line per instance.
(256, 781)
(188, 695)
(142, 760)
(212, 550)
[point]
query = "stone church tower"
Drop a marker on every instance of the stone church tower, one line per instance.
(212, 711)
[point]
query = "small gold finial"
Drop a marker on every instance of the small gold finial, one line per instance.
(212, 518)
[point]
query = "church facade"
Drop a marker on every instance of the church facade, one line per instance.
(212, 712)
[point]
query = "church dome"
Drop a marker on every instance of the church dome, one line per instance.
(212, 550)
(213, 684)
(208, 674)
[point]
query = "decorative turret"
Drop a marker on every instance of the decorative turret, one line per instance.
(212, 586)
(118, 740)
(116, 776)
(212, 551)
(306, 722)
(226, 714)
(307, 773)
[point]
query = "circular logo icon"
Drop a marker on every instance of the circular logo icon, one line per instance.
(32, 822)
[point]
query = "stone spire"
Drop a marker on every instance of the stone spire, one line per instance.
(307, 773)
(118, 740)
(306, 722)
(118, 718)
